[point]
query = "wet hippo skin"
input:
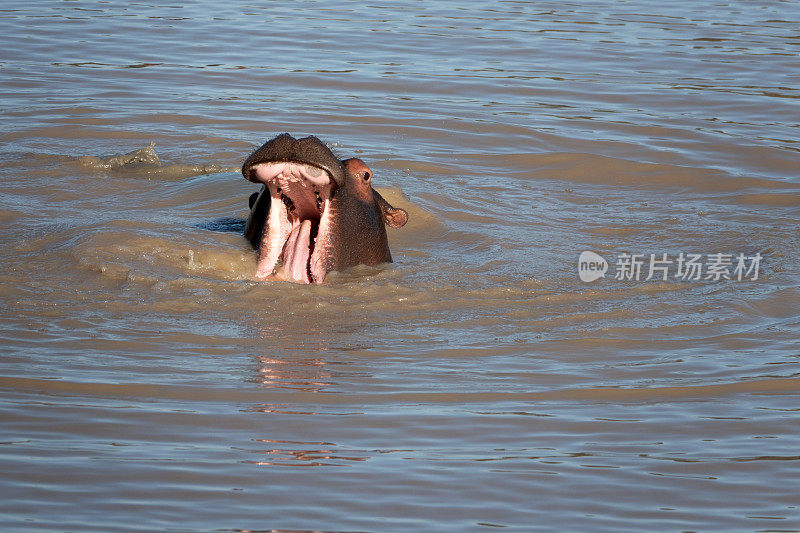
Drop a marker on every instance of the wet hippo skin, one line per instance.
(315, 213)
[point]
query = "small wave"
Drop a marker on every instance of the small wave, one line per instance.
(146, 162)
(224, 225)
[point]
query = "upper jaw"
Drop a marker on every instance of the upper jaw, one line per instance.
(302, 188)
(286, 149)
(298, 226)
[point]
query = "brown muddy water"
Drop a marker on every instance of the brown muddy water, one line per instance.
(150, 383)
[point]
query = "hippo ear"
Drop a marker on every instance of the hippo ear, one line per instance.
(395, 216)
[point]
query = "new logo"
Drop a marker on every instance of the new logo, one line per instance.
(591, 266)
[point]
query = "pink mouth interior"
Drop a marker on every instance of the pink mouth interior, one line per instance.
(300, 196)
(297, 253)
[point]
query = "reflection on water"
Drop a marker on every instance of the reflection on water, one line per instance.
(308, 375)
(304, 454)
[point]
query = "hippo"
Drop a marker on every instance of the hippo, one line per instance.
(315, 213)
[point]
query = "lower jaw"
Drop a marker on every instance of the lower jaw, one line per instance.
(294, 263)
(281, 273)
(282, 233)
(297, 252)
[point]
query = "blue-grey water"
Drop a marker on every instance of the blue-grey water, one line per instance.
(149, 382)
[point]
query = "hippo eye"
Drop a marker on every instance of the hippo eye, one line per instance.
(366, 176)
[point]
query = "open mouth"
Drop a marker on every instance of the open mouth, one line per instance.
(295, 242)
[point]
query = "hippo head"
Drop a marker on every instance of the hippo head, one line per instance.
(315, 213)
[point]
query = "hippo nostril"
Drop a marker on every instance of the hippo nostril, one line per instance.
(367, 176)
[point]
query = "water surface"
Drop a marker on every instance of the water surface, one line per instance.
(148, 382)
